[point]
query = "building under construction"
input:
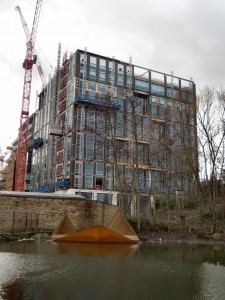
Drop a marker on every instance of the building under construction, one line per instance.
(111, 130)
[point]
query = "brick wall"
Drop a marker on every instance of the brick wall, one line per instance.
(36, 211)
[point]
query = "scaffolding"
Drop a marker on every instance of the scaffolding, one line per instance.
(53, 122)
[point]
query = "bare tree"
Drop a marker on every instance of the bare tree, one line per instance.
(211, 136)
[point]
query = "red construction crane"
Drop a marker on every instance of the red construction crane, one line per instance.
(30, 59)
(27, 33)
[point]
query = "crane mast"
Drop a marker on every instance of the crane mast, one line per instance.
(27, 33)
(24, 116)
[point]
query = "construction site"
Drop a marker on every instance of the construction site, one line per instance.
(104, 129)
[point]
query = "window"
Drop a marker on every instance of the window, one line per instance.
(154, 107)
(173, 93)
(87, 196)
(109, 184)
(141, 104)
(102, 63)
(109, 177)
(120, 80)
(186, 96)
(120, 97)
(79, 146)
(119, 124)
(154, 156)
(155, 181)
(101, 89)
(90, 119)
(129, 76)
(158, 89)
(82, 87)
(89, 181)
(78, 168)
(155, 132)
(170, 133)
(177, 111)
(169, 111)
(129, 81)
(109, 153)
(138, 126)
(100, 122)
(89, 169)
(162, 108)
(80, 118)
(142, 85)
(78, 175)
(162, 156)
(111, 73)
(120, 75)
(146, 129)
(91, 89)
(110, 123)
(99, 147)
(102, 76)
(92, 74)
(111, 78)
(99, 169)
(177, 138)
(143, 151)
(93, 61)
(103, 197)
(120, 68)
(144, 179)
(82, 59)
(121, 151)
(83, 65)
(90, 146)
(102, 70)
(67, 148)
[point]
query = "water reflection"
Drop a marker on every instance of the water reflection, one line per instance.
(11, 290)
(103, 250)
(41, 270)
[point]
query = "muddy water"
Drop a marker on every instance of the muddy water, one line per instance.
(44, 270)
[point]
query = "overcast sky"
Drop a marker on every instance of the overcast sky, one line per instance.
(183, 36)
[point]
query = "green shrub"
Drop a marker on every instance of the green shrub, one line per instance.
(162, 226)
(191, 203)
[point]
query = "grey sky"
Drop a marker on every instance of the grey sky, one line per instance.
(183, 36)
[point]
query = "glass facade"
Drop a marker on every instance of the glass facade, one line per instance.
(122, 131)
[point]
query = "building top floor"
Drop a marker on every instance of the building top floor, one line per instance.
(102, 74)
(102, 63)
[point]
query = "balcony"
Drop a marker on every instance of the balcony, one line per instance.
(63, 184)
(35, 144)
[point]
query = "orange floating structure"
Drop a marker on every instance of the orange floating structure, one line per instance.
(120, 225)
(63, 228)
(118, 231)
(95, 234)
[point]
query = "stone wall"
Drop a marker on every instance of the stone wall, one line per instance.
(36, 211)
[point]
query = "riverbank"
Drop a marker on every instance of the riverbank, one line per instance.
(24, 236)
(182, 238)
(156, 237)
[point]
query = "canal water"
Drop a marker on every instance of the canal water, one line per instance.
(45, 270)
